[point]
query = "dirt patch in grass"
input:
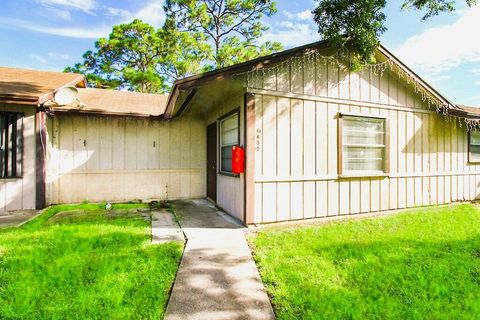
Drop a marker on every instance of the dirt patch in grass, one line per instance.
(99, 215)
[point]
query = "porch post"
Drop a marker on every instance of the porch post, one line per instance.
(249, 158)
(41, 145)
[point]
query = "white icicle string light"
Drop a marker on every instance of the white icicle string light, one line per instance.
(255, 78)
(297, 63)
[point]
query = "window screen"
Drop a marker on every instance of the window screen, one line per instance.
(11, 140)
(475, 146)
(228, 139)
(363, 144)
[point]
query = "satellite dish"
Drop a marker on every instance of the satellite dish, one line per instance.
(65, 96)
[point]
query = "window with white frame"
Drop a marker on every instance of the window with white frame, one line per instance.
(474, 146)
(229, 134)
(363, 148)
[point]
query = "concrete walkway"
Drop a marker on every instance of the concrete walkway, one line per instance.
(17, 218)
(218, 278)
(164, 227)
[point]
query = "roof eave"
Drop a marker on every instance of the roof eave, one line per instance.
(181, 84)
(102, 113)
(172, 98)
(18, 99)
(41, 99)
(424, 83)
(227, 72)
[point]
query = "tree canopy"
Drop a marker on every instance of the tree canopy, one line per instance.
(137, 57)
(198, 35)
(358, 24)
(233, 28)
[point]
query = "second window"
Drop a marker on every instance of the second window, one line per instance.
(363, 149)
(228, 139)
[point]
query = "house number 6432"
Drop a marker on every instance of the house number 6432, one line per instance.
(257, 139)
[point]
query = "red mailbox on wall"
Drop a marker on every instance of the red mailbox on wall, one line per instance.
(238, 160)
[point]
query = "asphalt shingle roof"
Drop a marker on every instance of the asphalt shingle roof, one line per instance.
(32, 86)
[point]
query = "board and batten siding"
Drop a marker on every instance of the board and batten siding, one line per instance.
(230, 189)
(296, 174)
(103, 158)
(19, 193)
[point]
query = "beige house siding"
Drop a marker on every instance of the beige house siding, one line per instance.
(296, 174)
(122, 158)
(230, 190)
(19, 194)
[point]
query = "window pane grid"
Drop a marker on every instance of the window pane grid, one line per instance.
(474, 146)
(361, 131)
(363, 144)
(475, 138)
(228, 139)
(362, 159)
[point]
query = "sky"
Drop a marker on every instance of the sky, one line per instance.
(53, 34)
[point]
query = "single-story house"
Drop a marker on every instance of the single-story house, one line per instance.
(319, 140)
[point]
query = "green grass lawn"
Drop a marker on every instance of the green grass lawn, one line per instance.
(83, 262)
(423, 264)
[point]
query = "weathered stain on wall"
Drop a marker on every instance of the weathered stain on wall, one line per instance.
(119, 158)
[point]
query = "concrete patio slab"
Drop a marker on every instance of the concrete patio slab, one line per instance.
(165, 228)
(218, 278)
(17, 218)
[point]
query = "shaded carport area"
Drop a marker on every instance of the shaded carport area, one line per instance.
(217, 278)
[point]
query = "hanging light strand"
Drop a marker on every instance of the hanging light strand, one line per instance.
(257, 78)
